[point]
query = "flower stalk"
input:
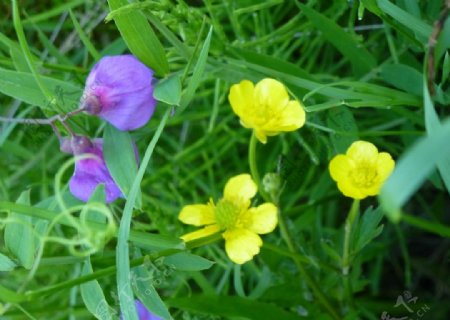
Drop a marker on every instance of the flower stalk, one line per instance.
(285, 234)
(346, 261)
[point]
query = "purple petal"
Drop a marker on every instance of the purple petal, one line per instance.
(91, 172)
(143, 313)
(119, 90)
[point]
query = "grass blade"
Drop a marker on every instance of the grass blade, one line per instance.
(197, 74)
(140, 38)
(412, 169)
(362, 61)
(122, 261)
(19, 238)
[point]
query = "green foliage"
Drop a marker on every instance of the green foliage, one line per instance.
(361, 70)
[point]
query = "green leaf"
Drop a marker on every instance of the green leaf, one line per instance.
(403, 77)
(16, 53)
(120, 159)
(122, 251)
(84, 38)
(197, 74)
(361, 60)
(412, 169)
(22, 86)
(368, 228)
(19, 238)
(6, 264)
(183, 50)
(432, 123)
(342, 121)
(443, 41)
(231, 306)
(331, 252)
(188, 262)
(93, 296)
(420, 28)
(140, 38)
(147, 294)
(169, 90)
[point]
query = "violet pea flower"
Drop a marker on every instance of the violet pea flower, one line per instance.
(143, 313)
(89, 172)
(119, 90)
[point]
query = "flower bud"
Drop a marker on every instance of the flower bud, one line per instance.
(89, 172)
(272, 185)
(119, 90)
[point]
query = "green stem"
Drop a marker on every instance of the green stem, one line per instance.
(285, 233)
(254, 167)
(354, 210)
(103, 272)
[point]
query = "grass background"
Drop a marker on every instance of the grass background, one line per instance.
(360, 69)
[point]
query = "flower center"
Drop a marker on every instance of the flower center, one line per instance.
(364, 176)
(227, 214)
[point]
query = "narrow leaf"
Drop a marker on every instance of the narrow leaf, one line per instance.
(22, 86)
(19, 238)
(231, 306)
(140, 38)
(120, 158)
(197, 74)
(188, 262)
(412, 169)
(169, 90)
(93, 296)
(420, 28)
(147, 293)
(6, 264)
(361, 60)
(122, 257)
(432, 123)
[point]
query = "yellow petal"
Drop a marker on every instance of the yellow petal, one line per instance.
(241, 97)
(262, 219)
(206, 231)
(241, 245)
(363, 151)
(340, 167)
(197, 214)
(271, 94)
(240, 189)
(349, 190)
(385, 166)
(291, 117)
(261, 136)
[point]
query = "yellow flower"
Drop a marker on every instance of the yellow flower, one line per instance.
(266, 108)
(362, 171)
(239, 223)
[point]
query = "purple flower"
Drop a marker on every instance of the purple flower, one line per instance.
(119, 90)
(143, 313)
(89, 172)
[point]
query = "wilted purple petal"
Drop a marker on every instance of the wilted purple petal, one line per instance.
(143, 313)
(91, 172)
(119, 89)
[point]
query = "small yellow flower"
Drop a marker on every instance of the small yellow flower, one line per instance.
(239, 223)
(362, 171)
(266, 108)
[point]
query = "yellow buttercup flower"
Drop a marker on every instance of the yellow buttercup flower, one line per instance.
(232, 215)
(266, 108)
(362, 171)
